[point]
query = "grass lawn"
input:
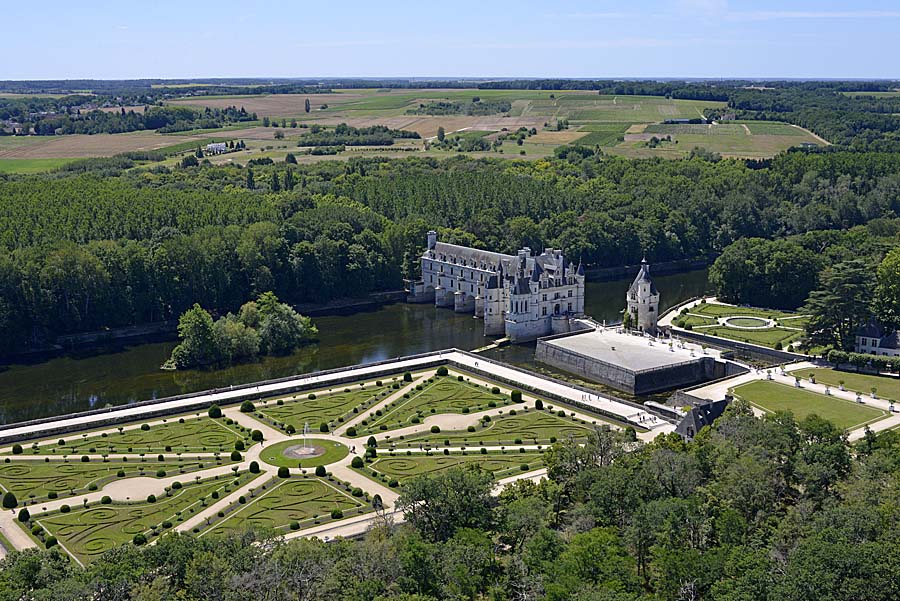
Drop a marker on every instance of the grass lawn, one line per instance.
(768, 337)
(30, 476)
(305, 500)
(326, 407)
(404, 467)
(703, 319)
(87, 533)
(274, 454)
(717, 310)
(888, 387)
(440, 394)
(531, 427)
(194, 435)
(28, 166)
(773, 396)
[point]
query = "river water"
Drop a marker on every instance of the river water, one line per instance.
(80, 382)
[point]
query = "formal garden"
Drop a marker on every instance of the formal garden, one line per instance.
(774, 396)
(395, 468)
(886, 387)
(765, 327)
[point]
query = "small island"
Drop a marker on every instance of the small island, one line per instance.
(261, 327)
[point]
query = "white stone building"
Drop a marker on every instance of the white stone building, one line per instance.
(874, 340)
(643, 301)
(217, 148)
(519, 296)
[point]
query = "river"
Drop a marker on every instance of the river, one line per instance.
(79, 382)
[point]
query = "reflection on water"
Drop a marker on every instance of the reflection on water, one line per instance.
(77, 383)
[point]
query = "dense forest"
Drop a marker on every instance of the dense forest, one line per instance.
(751, 510)
(346, 135)
(109, 246)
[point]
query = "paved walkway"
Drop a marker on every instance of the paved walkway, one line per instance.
(138, 488)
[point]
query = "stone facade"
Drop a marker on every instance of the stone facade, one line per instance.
(519, 296)
(643, 302)
(875, 340)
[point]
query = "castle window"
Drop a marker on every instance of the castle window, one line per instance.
(570, 294)
(526, 307)
(544, 297)
(652, 309)
(543, 310)
(570, 307)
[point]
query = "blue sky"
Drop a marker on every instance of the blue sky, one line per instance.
(487, 38)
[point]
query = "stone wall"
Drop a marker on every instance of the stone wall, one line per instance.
(753, 350)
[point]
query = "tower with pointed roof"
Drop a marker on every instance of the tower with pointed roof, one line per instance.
(643, 301)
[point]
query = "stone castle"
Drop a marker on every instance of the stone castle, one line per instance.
(519, 296)
(643, 302)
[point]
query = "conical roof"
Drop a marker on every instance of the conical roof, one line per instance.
(643, 277)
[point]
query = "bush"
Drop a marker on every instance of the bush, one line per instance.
(552, 439)
(561, 413)
(284, 472)
(50, 542)
(351, 432)
(470, 429)
(442, 370)
(336, 514)
(320, 471)
(64, 509)
(9, 500)
(495, 390)
(214, 411)
(254, 467)
(239, 445)
(139, 539)
(323, 427)
(435, 429)
(516, 396)
(166, 524)
(106, 500)
(247, 407)
(357, 462)
(838, 357)
(393, 483)
(483, 451)
(407, 377)
(538, 404)
(24, 515)
(357, 492)
(371, 442)
(235, 456)
(176, 485)
(242, 500)
(52, 494)
(256, 436)
(151, 498)
(85, 459)
(17, 449)
(290, 429)
(459, 378)
(778, 346)
(295, 525)
(517, 441)
(145, 427)
(524, 467)
(160, 473)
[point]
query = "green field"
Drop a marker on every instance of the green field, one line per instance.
(703, 318)
(604, 134)
(305, 500)
(36, 477)
(438, 395)
(194, 435)
(888, 387)
(274, 454)
(27, 166)
(720, 310)
(403, 467)
(326, 407)
(87, 533)
(528, 427)
(773, 396)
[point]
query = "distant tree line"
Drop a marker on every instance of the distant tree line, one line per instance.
(476, 107)
(346, 135)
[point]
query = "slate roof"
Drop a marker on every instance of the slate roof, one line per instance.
(699, 416)
(643, 276)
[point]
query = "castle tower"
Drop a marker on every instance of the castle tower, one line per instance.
(494, 324)
(643, 301)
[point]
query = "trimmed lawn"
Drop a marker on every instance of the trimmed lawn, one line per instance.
(404, 467)
(441, 394)
(194, 435)
(87, 533)
(326, 407)
(717, 310)
(768, 337)
(531, 427)
(888, 387)
(32, 476)
(305, 500)
(774, 396)
(274, 454)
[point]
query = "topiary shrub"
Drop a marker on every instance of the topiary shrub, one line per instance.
(106, 500)
(323, 427)
(407, 377)
(239, 445)
(17, 449)
(236, 456)
(214, 411)
(320, 471)
(470, 429)
(176, 485)
(435, 429)
(336, 514)
(284, 472)
(254, 467)
(290, 429)
(145, 427)
(312, 396)
(495, 390)
(52, 494)
(139, 539)
(85, 459)
(24, 515)
(459, 378)
(64, 509)
(371, 442)
(247, 407)
(393, 484)
(9, 500)
(160, 473)
(357, 462)
(351, 432)
(442, 370)
(295, 525)
(151, 498)
(256, 436)
(483, 451)
(516, 396)
(538, 404)
(50, 542)
(357, 492)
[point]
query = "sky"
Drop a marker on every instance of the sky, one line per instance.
(100, 39)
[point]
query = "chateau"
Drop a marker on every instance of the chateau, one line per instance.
(643, 302)
(520, 296)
